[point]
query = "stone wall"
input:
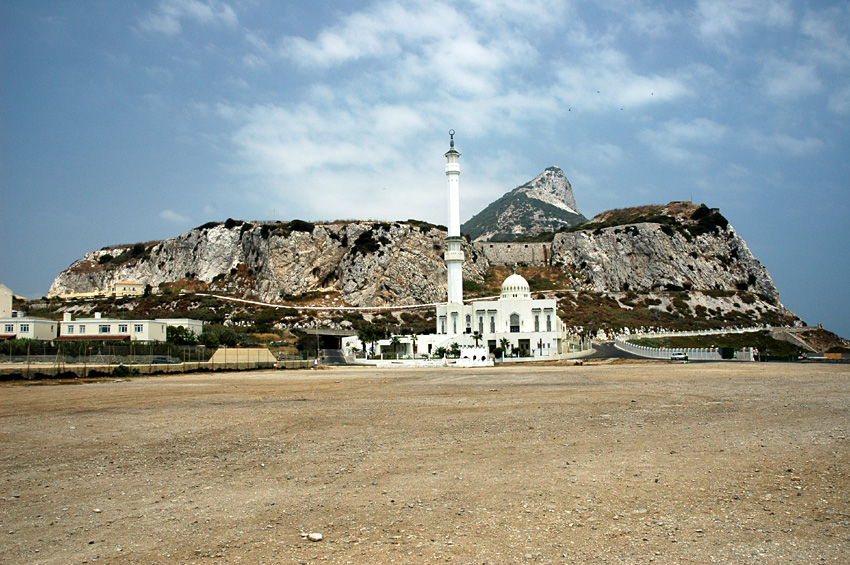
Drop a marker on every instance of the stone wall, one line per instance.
(513, 253)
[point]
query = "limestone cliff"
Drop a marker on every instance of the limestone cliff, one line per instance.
(369, 263)
(544, 204)
(652, 248)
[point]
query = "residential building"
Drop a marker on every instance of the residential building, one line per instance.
(28, 328)
(99, 328)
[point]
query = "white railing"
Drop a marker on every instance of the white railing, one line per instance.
(694, 354)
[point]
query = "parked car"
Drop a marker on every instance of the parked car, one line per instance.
(164, 360)
(678, 356)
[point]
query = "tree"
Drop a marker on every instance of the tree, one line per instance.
(506, 344)
(441, 352)
(214, 336)
(368, 333)
(454, 349)
(178, 335)
(476, 335)
(413, 338)
(395, 341)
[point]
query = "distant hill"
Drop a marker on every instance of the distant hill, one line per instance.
(545, 204)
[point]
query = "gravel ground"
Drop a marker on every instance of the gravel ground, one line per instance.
(612, 463)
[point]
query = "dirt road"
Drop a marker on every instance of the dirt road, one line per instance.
(619, 463)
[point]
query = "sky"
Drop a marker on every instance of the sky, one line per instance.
(123, 122)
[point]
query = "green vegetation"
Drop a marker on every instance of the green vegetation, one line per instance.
(215, 336)
(178, 335)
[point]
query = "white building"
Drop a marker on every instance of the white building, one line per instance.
(5, 301)
(194, 326)
(120, 289)
(28, 328)
(528, 327)
(99, 328)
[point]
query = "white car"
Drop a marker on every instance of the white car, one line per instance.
(678, 356)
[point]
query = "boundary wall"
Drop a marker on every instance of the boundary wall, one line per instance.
(694, 354)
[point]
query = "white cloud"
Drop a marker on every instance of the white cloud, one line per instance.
(783, 144)
(787, 79)
(680, 141)
(167, 18)
(839, 102)
(719, 19)
(173, 217)
(831, 45)
(605, 81)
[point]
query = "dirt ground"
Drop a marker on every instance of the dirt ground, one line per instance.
(612, 463)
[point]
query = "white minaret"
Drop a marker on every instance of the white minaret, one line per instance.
(454, 253)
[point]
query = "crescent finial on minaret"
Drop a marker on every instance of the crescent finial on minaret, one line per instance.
(452, 136)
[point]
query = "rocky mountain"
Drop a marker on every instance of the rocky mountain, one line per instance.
(656, 248)
(650, 249)
(368, 263)
(545, 204)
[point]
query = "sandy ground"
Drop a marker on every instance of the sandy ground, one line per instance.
(618, 463)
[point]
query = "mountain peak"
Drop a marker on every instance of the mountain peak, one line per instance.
(544, 204)
(551, 186)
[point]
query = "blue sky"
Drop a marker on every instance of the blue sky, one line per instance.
(132, 121)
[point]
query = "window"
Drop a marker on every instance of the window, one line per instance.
(468, 324)
(514, 323)
(481, 324)
(10, 328)
(454, 322)
(70, 328)
(548, 322)
(103, 329)
(442, 324)
(537, 322)
(138, 328)
(122, 328)
(492, 324)
(25, 328)
(82, 328)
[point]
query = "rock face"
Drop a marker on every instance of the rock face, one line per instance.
(369, 263)
(677, 246)
(672, 247)
(545, 204)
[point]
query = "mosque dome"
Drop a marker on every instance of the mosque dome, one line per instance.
(515, 286)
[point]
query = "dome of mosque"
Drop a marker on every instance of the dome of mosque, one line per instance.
(515, 286)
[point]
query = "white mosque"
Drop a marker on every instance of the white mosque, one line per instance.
(530, 328)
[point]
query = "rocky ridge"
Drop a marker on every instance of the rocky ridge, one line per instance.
(369, 263)
(673, 247)
(654, 249)
(544, 204)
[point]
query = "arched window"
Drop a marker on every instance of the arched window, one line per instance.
(548, 322)
(537, 322)
(514, 323)
(468, 324)
(492, 324)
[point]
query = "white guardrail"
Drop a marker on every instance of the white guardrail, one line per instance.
(694, 354)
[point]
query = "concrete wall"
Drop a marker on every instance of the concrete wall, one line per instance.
(511, 253)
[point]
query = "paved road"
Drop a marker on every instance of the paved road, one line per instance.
(333, 357)
(606, 350)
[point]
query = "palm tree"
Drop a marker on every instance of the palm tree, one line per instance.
(476, 335)
(506, 344)
(441, 352)
(454, 348)
(413, 340)
(394, 341)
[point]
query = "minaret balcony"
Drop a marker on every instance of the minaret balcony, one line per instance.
(452, 255)
(452, 168)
